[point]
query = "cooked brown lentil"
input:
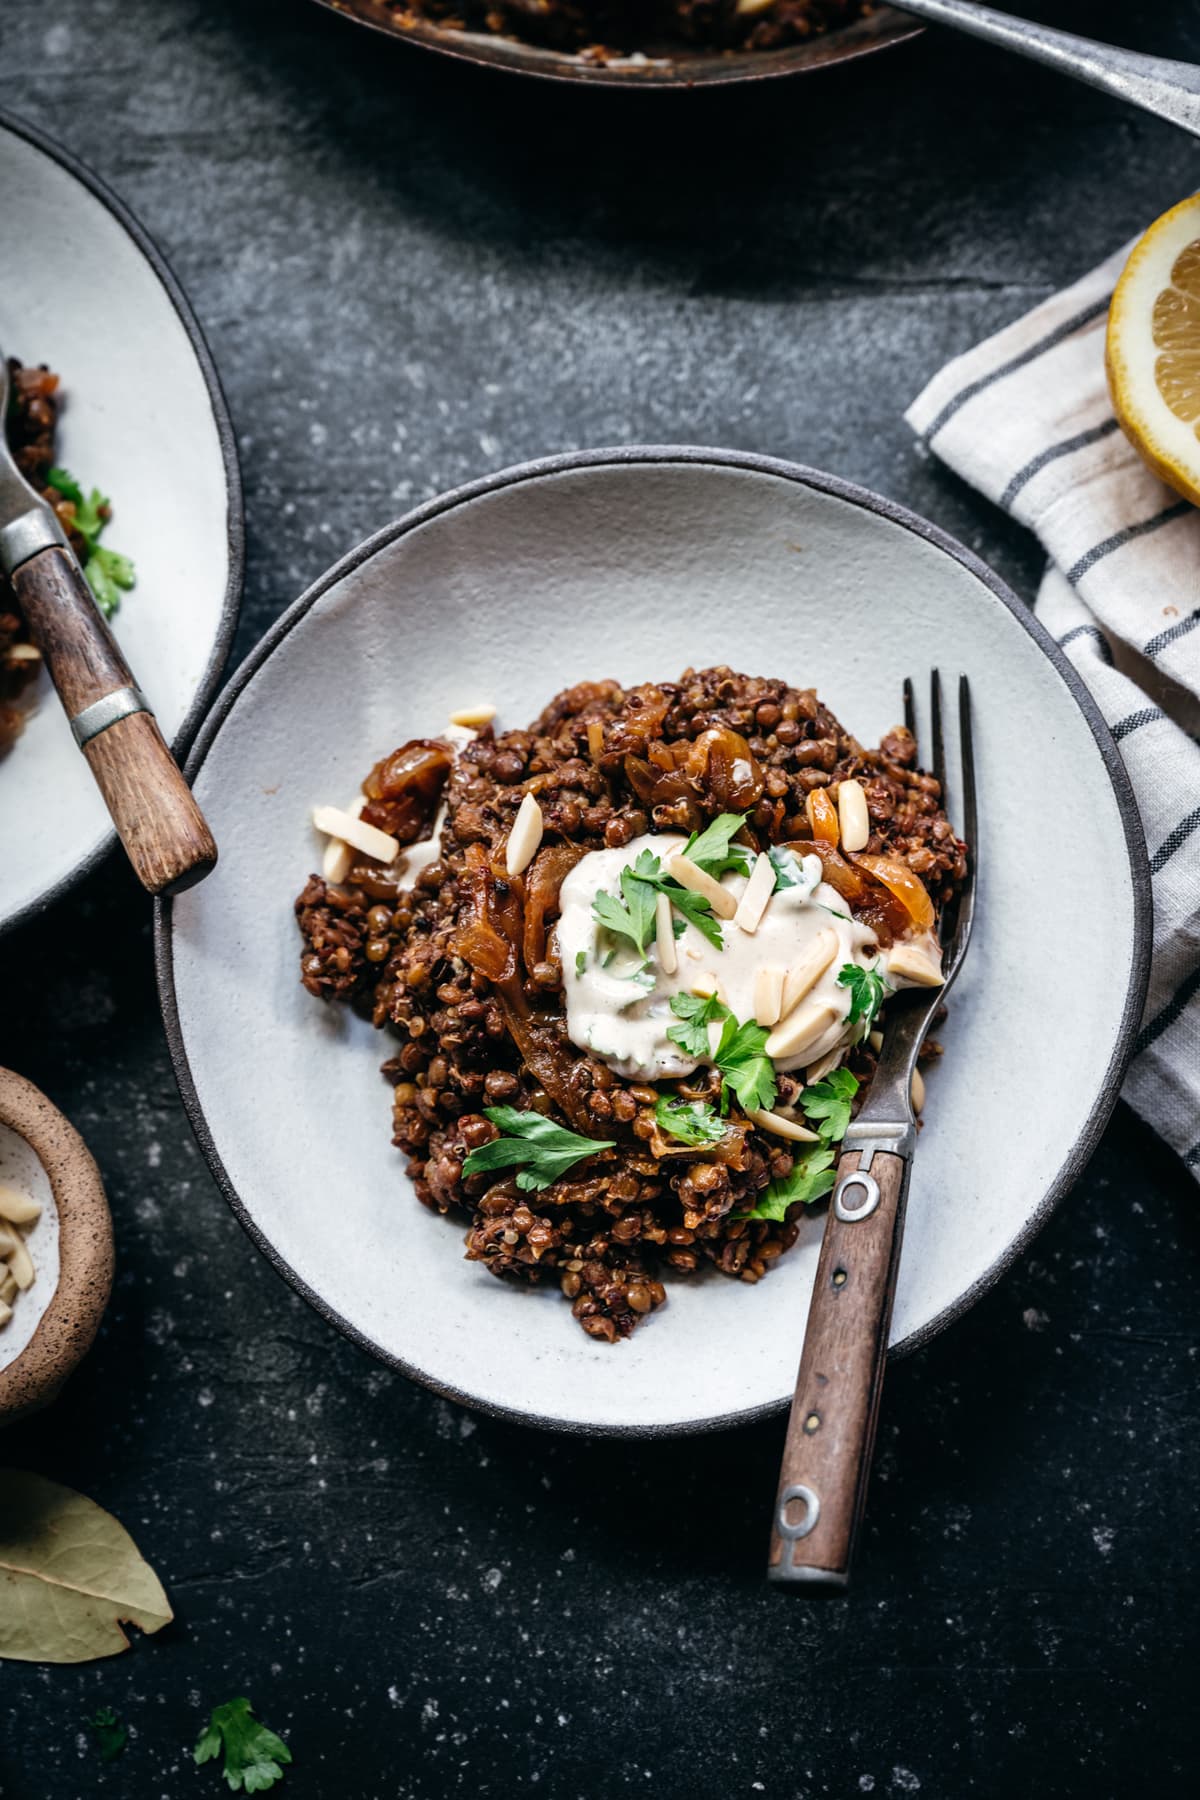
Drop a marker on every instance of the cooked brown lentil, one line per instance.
(469, 981)
(599, 29)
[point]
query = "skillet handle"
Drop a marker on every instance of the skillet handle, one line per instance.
(157, 819)
(831, 1428)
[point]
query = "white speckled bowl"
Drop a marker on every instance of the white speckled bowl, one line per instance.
(634, 563)
(85, 291)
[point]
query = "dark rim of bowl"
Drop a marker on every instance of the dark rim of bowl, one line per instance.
(234, 520)
(689, 70)
(1139, 874)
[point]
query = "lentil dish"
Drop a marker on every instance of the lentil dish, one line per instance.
(633, 956)
(599, 29)
(31, 428)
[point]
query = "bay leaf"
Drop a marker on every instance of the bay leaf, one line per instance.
(70, 1575)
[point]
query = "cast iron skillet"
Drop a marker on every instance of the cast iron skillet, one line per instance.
(680, 67)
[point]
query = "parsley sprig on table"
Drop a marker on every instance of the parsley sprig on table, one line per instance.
(812, 1177)
(827, 1104)
(108, 573)
(740, 1055)
(691, 1121)
(540, 1149)
(868, 991)
(253, 1754)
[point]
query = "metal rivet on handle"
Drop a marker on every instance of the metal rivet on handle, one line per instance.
(870, 1188)
(812, 1513)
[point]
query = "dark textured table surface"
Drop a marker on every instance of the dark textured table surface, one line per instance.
(411, 274)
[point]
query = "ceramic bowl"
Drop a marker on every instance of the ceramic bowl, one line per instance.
(145, 421)
(54, 1321)
(633, 564)
(680, 67)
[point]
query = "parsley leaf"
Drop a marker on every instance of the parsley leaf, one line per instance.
(812, 1176)
(786, 865)
(631, 917)
(744, 1064)
(546, 1150)
(697, 1013)
(253, 1755)
(110, 1734)
(692, 1122)
(713, 850)
(695, 909)
(108, 573)
(828, 1102)
(868, 991)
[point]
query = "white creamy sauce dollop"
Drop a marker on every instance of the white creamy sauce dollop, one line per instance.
(623, 1017)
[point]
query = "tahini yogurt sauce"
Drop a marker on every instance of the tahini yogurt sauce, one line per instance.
(624, 1020)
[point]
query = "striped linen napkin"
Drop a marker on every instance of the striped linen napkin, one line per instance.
(1025, 417)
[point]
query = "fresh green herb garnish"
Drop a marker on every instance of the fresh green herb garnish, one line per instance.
(786, 865)
(253, 1754)
(827, 1104)
(631, 917)
(812, 1176)
(695, 909)
(695, 1013)
(580, 962)
(746, 1069)
(868, 990)
(833, 912)
(110, 1734)
(713, 850)
(691, 1121)
(108, 573)
(543, 1150)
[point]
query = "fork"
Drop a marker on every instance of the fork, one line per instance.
(831, 1429)
(1170, 90)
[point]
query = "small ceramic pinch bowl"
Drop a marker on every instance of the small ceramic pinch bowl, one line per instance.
(53, 1322)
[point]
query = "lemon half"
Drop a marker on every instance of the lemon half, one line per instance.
(1152, 351)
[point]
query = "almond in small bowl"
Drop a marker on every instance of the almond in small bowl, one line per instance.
(56, 1249)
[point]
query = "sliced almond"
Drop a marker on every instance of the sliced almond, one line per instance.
(854, 821)
(784, 1128)
(875, 1039)
(473, 716)
(801, 1029)
(18, 1208)
(351, 830)
(911, 963)
(19, 653)
(5, 1312)
(664, 935)
(820, 1069)
(21, 1265)
(755, 895)
(524, 837)
(338, 859)
(689, 876)
(8, 1287)
(808, 969)
(705, 985)
(918, 1091)
(10, 1237)
(768, 995)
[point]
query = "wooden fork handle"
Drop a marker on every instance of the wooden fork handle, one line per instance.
(158, 821)
(831, 1430)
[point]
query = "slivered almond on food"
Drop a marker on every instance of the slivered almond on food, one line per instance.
(755, 895)
(853, 819)
(21, 1264)
(768, 995)
(524, 837)
(808, 969)
(473, 716)
(911, 963)
(784, 1128)
(338, 859)
(664, 935)
(16, 1207)
(801, 1029)
(689, 876)
(351, 830)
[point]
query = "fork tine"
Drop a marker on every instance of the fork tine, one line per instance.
(910, 710)
(939, 745)
(958, 917)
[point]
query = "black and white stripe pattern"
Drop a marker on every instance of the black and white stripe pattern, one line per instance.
(1026, 419)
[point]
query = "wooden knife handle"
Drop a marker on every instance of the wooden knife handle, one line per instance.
(157, 819)
(831, 1429)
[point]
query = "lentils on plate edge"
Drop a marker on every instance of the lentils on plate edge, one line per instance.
(463, 968)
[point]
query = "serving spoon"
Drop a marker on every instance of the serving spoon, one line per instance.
(162, 828)
(1168, 89)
